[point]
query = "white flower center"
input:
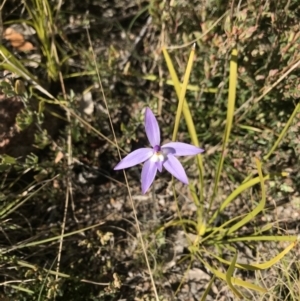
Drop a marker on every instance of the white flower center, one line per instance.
(157, 157)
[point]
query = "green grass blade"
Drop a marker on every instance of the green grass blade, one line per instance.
(42, 20)
(182, 92)
(257, 266)
(256, 210)
(238, 191)
(188, 119)
(229, 118)
(189, 87)
(233, 279)
(11, 63)
(271, 262)
(208, 288)
(229, 274)
(282, 134)
(261, 238)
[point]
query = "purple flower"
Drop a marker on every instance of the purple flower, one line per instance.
(157, 157)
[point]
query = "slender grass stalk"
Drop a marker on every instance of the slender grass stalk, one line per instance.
(126, 180)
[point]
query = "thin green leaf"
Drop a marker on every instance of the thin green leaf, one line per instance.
(11, 63)
(233, 279)
(229, 274)
(188, 119)
(239, 190)
(182, 92)
(208, 288)
(261, 238)
(284, 131)
(229, 119)
(271, 262)
(189, 87)
(258, 266)
(258, 209)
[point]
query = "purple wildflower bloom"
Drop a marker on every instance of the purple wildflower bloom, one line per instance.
(157, 157)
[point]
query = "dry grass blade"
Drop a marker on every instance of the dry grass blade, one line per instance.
(245, 105)
(127, 184)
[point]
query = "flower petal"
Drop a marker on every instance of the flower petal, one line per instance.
(181, 149)
(136, 157)
(148, 175)
(174, 167)
(152, 128)
(159, 165)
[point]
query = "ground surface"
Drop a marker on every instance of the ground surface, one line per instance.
(58, 159)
